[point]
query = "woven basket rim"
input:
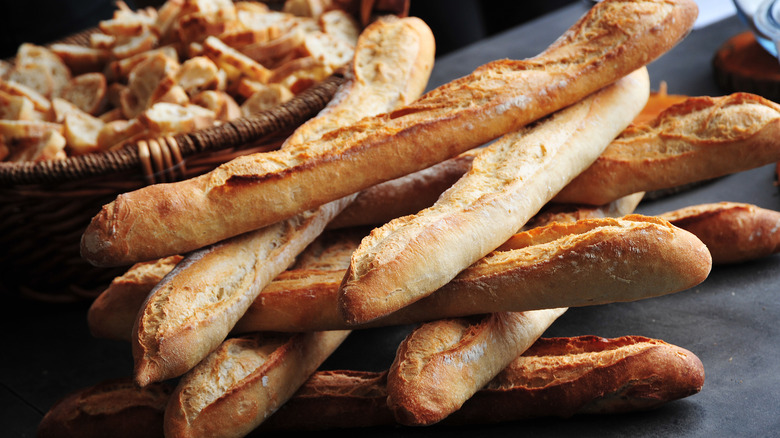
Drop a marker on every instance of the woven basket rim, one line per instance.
(232, 134)
(227, 135)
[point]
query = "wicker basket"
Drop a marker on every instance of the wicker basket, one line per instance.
(45, 206)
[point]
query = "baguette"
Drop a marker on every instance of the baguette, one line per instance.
(696, 140)
(509, 181)
(194, 308)
(113, 313)
(442, 364)
(305, 298)
(244, 381)
(384, 74)
(256, 190)
(574, 212)
(115, 407)
(733, 232)
(409, 194)
(555, 377)
(403, 196)
(639, 258)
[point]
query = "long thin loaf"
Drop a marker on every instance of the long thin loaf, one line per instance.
(193, 309)
(555, 377)
(244, 381)
(698, 139)
(616, 260)
(733, 232)
(589, 262)
(441, 364)
(613, 39)
(509, 181)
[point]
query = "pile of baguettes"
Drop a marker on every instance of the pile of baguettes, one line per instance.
(247, 278)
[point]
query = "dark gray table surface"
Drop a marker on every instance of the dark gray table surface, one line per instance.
(730, 320)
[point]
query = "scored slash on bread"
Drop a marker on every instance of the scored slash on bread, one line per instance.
(441, 364)
(696, 140)
(629, 164)
(508, 182)
(244, 381)
(494, 99)
(194, 308)
(555, 377)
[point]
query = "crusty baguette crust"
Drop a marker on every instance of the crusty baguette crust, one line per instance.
(597, 261)
(317, 273)
(407, 48)
(566, 376)
(696, 140)
(113, 313)
(403, 196)
(553, 212)
(555, 377)
(193, 309)
(409, 194)
(639, 257)
(244, 381)
(509, 181)
(116, 408)
(392, 63)
(615, 259)
(442, 364)
(733, 232)
(615, 38)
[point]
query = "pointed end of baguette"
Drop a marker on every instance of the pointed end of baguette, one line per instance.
(353, 304)
(143, 374)
(96, 242)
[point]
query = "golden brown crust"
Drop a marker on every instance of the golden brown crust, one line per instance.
(555, 377)
(305, 297)
(116, 408)
(566, 376)
(509, 181)
(254, 191)
(733, 232)
(441, 364)
(113, 313)
(403, 196)
(553, 212)
(193, 309)
(383, 75)
(696, 140)
(598, 261)
(397, 78)
(614, 260)
(244, 381)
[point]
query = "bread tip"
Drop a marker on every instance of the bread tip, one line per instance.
(95, 241)
(146, 372)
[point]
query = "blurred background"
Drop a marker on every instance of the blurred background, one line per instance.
(455, 23)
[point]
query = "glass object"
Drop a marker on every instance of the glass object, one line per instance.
(763, 18)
